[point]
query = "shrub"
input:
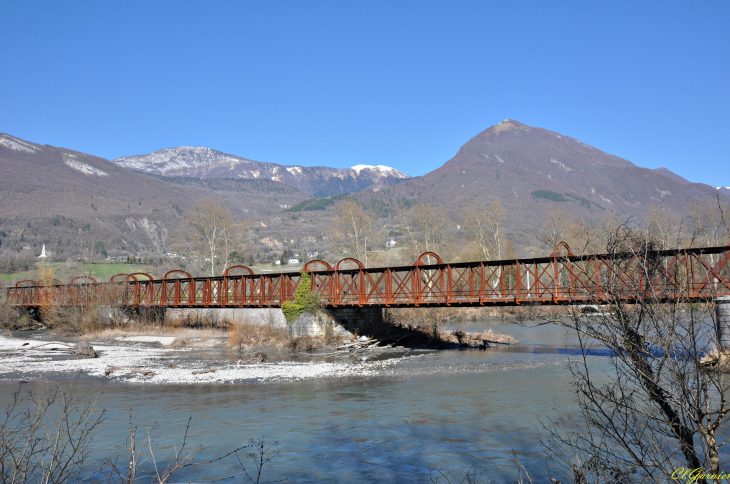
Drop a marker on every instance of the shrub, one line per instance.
(305, 301)
(13, 318)
(247, 333)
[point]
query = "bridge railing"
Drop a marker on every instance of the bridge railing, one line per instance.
(673, 274)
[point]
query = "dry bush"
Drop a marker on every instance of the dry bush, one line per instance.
(330, 337)
(195, 319)
(72, 319)
(13, 318)
(149, 316)
(305, 343)
(180, 342)
(248, 334)
(492, 337)
(423, 316)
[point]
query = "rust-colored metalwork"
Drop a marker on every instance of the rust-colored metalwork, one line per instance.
(28, 282)
(306, 267)
(137, 275)
(83, 280)
(229, 271)
(686, 274)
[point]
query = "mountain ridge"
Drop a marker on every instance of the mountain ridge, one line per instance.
(59, 196)
(314, 181)
(532, 171)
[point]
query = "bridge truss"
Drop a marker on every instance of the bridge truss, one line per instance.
(686, 274)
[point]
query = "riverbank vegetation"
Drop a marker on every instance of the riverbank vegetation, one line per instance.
(46, 437)
(663, 406)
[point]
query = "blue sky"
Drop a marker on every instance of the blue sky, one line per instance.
(397, 83)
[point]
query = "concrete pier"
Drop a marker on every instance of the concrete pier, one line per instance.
(362, 321)
(722, 308)
(272, 316)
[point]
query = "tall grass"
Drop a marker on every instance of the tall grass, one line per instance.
(246, 333)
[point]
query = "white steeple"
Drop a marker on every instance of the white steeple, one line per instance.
(43, 252)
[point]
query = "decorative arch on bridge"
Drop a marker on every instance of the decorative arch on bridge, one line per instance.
(234, 290)
(419, 261)
(557, 251)
(168, 274)
(349, 259)
(229, 271)
(136, 277)
(30, 283)
(142, 290)
(119, 277)
(83, 280)
(316, 261)
(348, 286)
(177, 288)
(320, 283)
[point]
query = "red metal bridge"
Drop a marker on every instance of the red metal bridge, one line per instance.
(561, 278)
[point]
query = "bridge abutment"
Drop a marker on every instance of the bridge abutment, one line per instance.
(363, 321)
(359, 320)
(722, 309)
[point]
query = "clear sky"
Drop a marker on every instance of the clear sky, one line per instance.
(397, 83)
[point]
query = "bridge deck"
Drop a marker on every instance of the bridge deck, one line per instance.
(685, 274)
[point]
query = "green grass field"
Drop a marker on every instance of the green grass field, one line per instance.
(62, 271)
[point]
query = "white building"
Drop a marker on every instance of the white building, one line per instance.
(43, 253)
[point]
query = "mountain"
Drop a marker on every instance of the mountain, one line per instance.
(65, 199)
(532, 171)
(671, 174)
(314, 181)
(724, 190)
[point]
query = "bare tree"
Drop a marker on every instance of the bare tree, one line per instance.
(710, 228)
(46, 437)
(663, 228)
(428, 230)
(209, 235)
(352, 230)
(560, 226)
(663, 405)
(484, 229)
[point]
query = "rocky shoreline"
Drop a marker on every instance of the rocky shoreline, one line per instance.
(160, 359)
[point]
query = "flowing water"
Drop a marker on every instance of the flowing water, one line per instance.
(392, 423)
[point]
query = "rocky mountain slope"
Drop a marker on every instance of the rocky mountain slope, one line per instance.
(314, 181)
(532, 171)
(64, 199)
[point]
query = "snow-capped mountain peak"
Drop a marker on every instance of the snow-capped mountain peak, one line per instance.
(176, 161)
(317, 181)
(383, 170)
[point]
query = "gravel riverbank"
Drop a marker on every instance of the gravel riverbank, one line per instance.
(149, 359)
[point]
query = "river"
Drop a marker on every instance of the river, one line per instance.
(382, 421)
